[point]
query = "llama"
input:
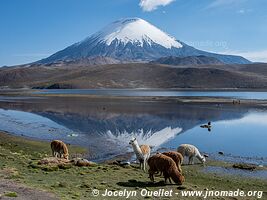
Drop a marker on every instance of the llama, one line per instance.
(59, 149)
(142, 153)
(177, 158)
(166, 165)
(191, 151)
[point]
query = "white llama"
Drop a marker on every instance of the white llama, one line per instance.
(190, 151)
(142, 153)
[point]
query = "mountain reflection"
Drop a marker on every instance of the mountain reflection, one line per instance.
(116, 121)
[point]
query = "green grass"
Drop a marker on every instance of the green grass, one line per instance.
(18, 158)
(11, 194)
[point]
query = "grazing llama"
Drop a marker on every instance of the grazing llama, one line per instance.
(166, 165)
(142, 152)
(59, 149)
(190, 151)
(177, 158)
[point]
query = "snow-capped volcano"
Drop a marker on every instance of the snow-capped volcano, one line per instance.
(133, 39)
(136, 31)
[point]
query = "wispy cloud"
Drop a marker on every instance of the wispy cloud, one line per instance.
(243, 11)
(150, 5)
(255, 56)
(222, 3)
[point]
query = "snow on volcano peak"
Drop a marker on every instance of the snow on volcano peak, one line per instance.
(133, 39)
(137, 31)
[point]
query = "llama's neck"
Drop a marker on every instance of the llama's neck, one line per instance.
(176, 175)
(199, 156)
(138, 151)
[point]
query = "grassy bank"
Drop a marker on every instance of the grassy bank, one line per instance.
(17, 156)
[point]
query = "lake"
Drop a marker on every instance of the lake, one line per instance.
(160, 93)
(106, 125)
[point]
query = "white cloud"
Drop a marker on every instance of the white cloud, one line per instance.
(150, 5)
(244, 11)
(255, 56)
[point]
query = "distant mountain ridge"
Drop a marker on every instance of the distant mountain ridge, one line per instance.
(89, 61)
(189, 60)
(134, 75)
(133, 39)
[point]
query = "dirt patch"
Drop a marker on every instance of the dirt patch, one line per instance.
(10, 189)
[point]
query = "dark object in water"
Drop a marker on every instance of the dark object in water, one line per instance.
(221, 153)
(208, 126)
(236, 102)
(206, 155)
(244, 166)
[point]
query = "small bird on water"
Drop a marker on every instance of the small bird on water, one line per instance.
(208, 126)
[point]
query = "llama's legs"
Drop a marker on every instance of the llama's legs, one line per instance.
(165, 177)
(144, 165)
(191, 159)
(151, 175)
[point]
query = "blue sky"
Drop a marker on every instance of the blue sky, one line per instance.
(34, 29)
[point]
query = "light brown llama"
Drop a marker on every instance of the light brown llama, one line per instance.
(166, 165)
(59, 149)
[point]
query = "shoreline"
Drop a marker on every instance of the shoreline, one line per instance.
(145, 89)
(25, 94)
(19, 155)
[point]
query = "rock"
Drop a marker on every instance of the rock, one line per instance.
(81, 162)
(73, 135)
(206, 155)
(244, 166)
(124, 163)
(221, 152)
(52, 160)
(65, 166)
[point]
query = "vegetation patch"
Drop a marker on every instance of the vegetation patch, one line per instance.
(68, 181)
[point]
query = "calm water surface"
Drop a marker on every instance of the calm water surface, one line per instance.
(106, 126)
(160, 93)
